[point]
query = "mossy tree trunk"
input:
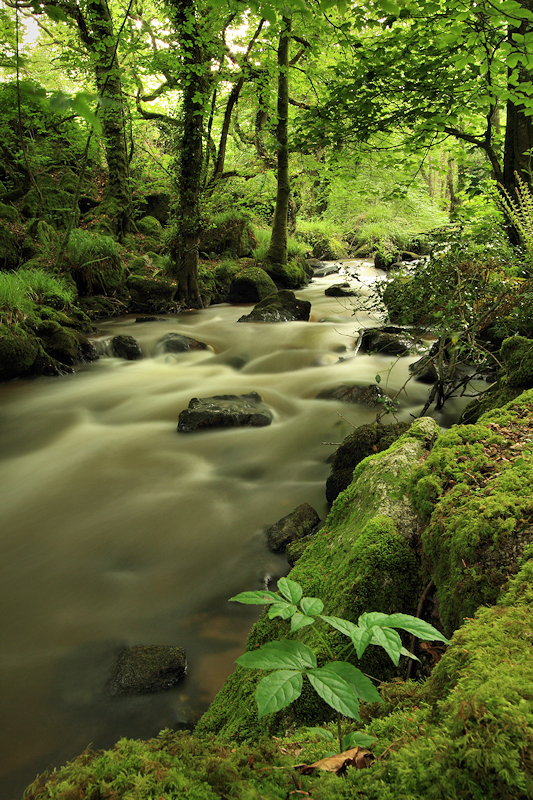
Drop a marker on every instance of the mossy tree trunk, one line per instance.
(184, 247)
(95, 30)
(277, 251)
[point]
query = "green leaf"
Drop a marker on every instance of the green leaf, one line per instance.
(279, 655)
(335, 691)
(256, 598)
(360, 640)
(371, 618)
(419, 628)
(322, 733)
(357, 738)
(342, 625)
(390, 640)
(363, 687)
(300, 621)
(378, 378)
(290, 589)
(277, 690)
(283, 610)
(311, 605)
(55, 13)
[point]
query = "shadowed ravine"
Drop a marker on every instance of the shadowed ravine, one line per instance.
(118, 530)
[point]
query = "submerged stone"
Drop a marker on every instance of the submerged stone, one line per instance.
(178, 343)
(146, 669)
(367, 395)
(224, 411)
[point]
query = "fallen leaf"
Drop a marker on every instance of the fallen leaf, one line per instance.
(355, 757)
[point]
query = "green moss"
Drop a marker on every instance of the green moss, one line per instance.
(292, 275)
(150, 226)
(517, 356)
(361, 560)
(18, 351)
(478, 507)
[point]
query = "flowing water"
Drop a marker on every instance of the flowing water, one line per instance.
(116, 530)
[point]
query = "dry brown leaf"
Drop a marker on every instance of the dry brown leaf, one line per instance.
(356, 757)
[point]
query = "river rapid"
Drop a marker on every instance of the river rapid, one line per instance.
(116, 530)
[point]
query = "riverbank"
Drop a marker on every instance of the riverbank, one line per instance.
(456, 512)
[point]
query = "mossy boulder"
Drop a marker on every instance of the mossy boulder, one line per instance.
(18, 351)
(151, 295)
(517, 357)
(230, 235)
(363, 559)
(363, 442)
(9, 213)
(250, 285)
(150, 226)
(51, 204)
(474, 491)
(292, 275)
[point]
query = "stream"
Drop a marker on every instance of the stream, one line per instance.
(116, 530)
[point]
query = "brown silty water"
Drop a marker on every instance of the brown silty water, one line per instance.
(116, 530)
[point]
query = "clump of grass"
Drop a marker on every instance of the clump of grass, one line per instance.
(323, 238)
(95, 262)
(19, 289)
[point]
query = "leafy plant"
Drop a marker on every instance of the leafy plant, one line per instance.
(339, 683)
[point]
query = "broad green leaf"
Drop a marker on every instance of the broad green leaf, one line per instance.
(256, 598)
(342, 625)
(55, 13)
(357, 738)
(311, 605)
(300, 621)
(277, 690)
(361, 639)
(290, 589)
(407, 654)
(335, 691)
(371, 618)
(390, 640)
(362, 686)
(283, 610)
(279, 655)
(419, 628)
(322, 733)
(389, 7)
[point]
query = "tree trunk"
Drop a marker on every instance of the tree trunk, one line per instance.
(184, 247)
(277, 251)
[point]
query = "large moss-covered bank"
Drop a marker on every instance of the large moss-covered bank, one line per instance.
(467, 730)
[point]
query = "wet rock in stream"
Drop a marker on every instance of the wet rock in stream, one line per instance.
(126, 347)
(281, 306)
(146, 669)
(367, 395)
(224, 411)
(301, 522)
(178, 343)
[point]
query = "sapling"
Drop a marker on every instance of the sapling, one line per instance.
(338, 682)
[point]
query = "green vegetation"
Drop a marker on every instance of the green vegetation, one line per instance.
(19, 290)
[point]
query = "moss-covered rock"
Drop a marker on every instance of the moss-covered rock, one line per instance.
(9, 213)
(363, 442)
(230, 235)
(150, 226)
(51, 204)
(250, 285)
(151, 295)
(18, 351)
(292, 275)
(475, 492)
(517, 357)
(363, 559)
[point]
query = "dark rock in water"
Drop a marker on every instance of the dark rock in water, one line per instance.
(141, 670)
(299, 523)
(126, 347)
(389, 340)
(224, 411)
(364, 441)
(368, 395)
(177, 343)
(320, 270)
(424, 369)
(341, 290)
(281, 306)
